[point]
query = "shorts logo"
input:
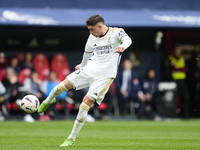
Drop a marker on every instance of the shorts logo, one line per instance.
(95, 94)
(77, 72)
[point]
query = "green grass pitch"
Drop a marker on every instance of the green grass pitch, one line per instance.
(100, 135)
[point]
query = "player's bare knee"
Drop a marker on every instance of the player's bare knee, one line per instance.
(88, 101)
(67, 84)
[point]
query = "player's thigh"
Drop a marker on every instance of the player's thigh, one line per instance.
(99, 88)
(79, 79)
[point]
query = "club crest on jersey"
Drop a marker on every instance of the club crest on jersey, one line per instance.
(108, 41)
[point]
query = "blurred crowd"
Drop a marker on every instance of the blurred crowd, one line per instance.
(25, 74)
(129, 95)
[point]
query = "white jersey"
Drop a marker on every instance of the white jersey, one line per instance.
(105, 61)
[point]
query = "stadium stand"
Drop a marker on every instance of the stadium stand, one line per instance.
(41, 64)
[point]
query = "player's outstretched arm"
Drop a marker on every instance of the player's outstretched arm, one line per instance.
(86, 57)
(126, 42)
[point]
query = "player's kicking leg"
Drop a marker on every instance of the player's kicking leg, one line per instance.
(57, 90)
(79, 122)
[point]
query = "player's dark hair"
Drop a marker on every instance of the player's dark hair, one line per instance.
(94, 19)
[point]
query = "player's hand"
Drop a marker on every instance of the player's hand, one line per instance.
(119, 49)
(77, 67)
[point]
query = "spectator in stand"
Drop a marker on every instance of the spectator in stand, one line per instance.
(128, 87)
(32, 85)
(28, 60)
(46, 88)
(14, 64)
(178, 69)
(12, 94)
(149, 87)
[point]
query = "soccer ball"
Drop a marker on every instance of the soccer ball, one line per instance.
(30, 103)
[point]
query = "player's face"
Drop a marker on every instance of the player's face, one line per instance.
(95, 30)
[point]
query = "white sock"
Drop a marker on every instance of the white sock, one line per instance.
(80, 120)
(57, 90)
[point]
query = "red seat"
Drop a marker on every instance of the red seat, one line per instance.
(71, 106)
(2, 74)
(62, 74)
(13, 106)
(60, 65)
(112, 89)
(59, 106)
(41, 65)
(44, 74)
(102, 106)
(20, 57)
(25, 73)
(40, 62)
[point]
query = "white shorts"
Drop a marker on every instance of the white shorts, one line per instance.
(98, 86)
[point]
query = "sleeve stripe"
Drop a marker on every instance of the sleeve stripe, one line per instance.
(123, 36)
(88, 52)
